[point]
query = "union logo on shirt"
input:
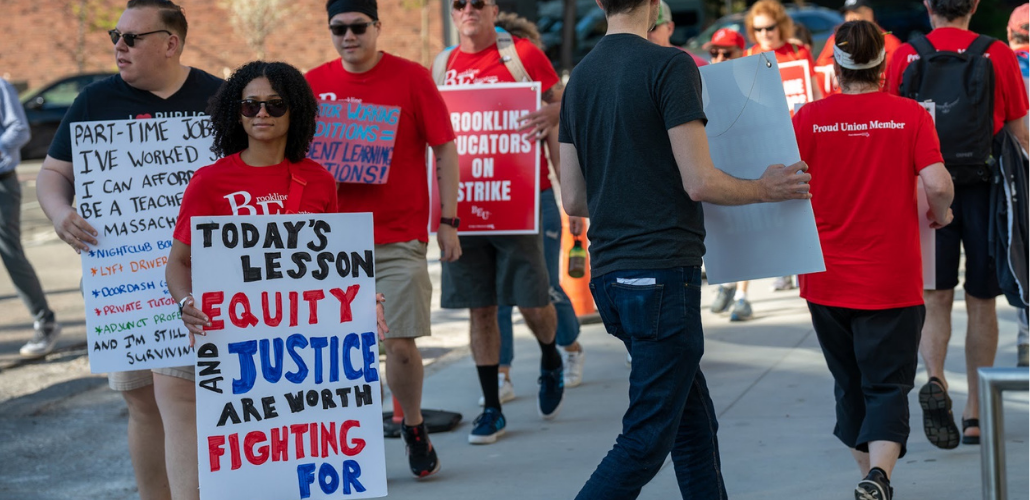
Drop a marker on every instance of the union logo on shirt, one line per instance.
(240, 203)
(452, 77)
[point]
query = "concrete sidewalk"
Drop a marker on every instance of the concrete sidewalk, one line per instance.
(774, 398)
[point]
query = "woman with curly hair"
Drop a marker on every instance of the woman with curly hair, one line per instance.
(263, 118)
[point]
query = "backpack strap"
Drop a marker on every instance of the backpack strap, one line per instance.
(979, 46)
(923, 46)
(912, 78)
(295, 193)
(510, 57)
(440, 65)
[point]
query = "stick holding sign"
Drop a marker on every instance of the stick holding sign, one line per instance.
(288, 376)
(130, 176)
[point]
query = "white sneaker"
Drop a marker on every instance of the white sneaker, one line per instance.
(574, 367)
(505, 390)
(42, 341)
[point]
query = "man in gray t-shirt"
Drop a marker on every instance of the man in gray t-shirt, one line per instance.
(635, 160)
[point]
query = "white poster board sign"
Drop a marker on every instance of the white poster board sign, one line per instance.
(289, 402)
(748, 129)
(927, 236)
(129, 180)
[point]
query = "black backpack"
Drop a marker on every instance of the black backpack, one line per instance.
(962, 86)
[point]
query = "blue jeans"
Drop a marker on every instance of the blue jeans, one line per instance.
(568, 323)
(657, 314)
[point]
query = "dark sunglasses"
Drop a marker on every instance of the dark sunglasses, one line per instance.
(767, 28)
(130, 38)
(476, 4)
(275, 107)
(357, 28)
(720, 53)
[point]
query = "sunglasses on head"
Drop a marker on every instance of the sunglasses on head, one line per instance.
(357, 28)
(251, 107)
(476, 4)
(130, 38)
(766, 28)
(720, 53)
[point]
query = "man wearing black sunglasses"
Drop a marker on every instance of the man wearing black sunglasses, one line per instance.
(508, 269)
(364, 76)
(151, 83)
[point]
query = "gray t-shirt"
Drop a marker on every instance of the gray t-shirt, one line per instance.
(619, 105)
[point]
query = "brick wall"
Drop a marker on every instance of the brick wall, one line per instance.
(40, 36)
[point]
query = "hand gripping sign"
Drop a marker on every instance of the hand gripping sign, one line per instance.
(499, 190)
(288, 376)
(129, 180)
(354, 140)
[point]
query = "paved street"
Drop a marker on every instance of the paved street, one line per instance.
(64, 431)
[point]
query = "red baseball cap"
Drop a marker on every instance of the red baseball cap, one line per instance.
(726, 37)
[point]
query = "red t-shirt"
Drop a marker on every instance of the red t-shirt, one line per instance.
(485, 66)
(864, 152)
(697, 60)
(789, 52)
(400, 207)
(231, 187)
(827, 81)
(1010, 99)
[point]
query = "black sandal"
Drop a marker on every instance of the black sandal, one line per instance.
(938, 421)
(967, 423)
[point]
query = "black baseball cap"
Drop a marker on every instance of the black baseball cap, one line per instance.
(855, 5)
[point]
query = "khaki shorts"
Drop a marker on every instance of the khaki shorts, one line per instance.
(402, 275)
(135, 379)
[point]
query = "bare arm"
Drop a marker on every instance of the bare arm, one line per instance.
(939, 194)
(575, 222)
(180, 285)
(55, 190)
(703, 182)
(447, 181)
(1018, 129)
(573, 185)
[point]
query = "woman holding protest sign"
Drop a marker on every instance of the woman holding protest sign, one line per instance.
(771, 29)
(263, 120)
(865, 149)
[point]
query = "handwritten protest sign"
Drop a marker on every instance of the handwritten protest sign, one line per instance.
(130, 176)
(745, 98)
(288, 376)
(355, 140)
(499, 190)
(797, 84)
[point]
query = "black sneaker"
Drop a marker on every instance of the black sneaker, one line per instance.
(421, 454)
(552, 393)
(875, 486)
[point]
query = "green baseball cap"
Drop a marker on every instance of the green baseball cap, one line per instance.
(664, 14)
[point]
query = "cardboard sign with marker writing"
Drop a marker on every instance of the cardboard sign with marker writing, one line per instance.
(354, 140)
(129, 179)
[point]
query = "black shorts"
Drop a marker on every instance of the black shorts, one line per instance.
(507, 270)
(873, 357)
(972, 209)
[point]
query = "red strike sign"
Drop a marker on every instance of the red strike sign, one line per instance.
(499, 190)
(796, 83)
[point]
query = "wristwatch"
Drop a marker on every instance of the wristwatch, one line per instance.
(453, 221)
(182, 303)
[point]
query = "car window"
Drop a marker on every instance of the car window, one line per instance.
(814, 22)
(61, 95)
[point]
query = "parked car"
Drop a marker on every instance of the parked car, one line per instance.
(47, 105)
(822, 22)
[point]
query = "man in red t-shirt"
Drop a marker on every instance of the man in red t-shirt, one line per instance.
(854, 10)
(400, 207)
(972, 210)
(502, 269)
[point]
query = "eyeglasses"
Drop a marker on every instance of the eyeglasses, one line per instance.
(275, 107)
(130, 38)
(476, 4)
(357, 28)
(767, 28)
(720, 53)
